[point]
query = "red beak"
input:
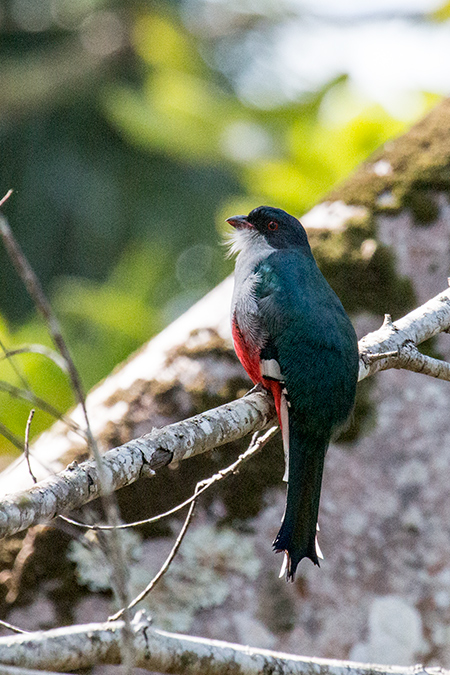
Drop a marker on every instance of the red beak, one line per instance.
(239, 222)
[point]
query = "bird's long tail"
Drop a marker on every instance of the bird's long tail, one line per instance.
(297, 535)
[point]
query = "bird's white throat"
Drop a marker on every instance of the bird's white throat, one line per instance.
(238, 240)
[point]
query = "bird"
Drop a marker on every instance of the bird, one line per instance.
(294, 338)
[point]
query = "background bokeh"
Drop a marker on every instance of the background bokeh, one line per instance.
(129, 130)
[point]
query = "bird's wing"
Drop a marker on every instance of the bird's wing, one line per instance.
(309, 336)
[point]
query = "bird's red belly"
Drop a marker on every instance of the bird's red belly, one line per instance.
(247, 356)
(251, 362)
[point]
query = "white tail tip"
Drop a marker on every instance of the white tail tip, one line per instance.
(318, 550)
(284, 565)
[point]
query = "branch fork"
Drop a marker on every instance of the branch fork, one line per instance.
(407, 356)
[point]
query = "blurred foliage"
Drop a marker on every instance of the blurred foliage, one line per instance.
(127, 146)
(442, 13)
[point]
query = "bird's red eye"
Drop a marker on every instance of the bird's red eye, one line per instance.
(273, 225)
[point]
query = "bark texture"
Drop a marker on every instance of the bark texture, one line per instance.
(80, 483)
(79, 647)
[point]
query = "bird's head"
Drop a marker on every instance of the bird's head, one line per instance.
(279, 229)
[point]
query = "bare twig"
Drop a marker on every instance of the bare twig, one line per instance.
(135, 523)
(257, 443)
(35, 349)
(26, 448)
(165, 566)
(255, 446)
(36, 292)
(28, 395)
(38, 460)
(12, 628)
(12, 438)
(13, 365)
(6, 197)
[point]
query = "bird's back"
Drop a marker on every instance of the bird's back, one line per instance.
(315, 341)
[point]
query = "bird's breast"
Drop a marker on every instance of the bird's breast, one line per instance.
(247, 354)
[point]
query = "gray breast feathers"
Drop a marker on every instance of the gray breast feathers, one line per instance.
(245, 306)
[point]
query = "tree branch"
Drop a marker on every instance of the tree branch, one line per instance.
(391, 346)
(79, 484)
(397, 340)
(77, 647)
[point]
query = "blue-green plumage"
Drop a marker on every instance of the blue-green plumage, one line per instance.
(289, 322)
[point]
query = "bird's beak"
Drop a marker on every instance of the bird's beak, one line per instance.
(239, 222)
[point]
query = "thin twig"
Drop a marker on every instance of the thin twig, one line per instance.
(6, 197)
(165, 565)
(11, 467)
(36, 292)
(35, 349)
(136, 523)
(14, 629)
(12, 438)
(256, 444)
(26, 448)
(28, 395)
(28, 392)
(13, 365)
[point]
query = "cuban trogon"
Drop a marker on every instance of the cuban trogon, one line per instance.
(293, 336)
